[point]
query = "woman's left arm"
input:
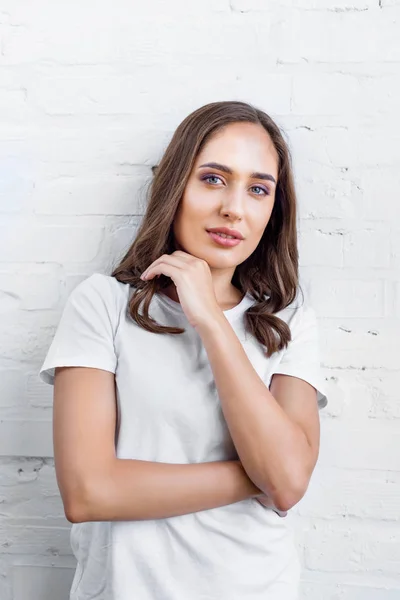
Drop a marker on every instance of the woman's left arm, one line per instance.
(276, 432)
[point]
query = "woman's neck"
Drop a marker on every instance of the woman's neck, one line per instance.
(232, 298)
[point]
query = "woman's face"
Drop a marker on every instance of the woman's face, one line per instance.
(237, 192)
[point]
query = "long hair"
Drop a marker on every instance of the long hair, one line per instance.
(270, 273)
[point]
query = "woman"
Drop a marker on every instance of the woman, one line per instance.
(187, 383)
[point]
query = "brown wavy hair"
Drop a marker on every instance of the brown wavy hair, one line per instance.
(270, 273)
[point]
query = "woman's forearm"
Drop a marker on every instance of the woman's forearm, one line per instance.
(138, 490)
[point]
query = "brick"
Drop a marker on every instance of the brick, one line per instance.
(349, 297)
(26, 290)
(380, 147)
(336, 392)
(373, 449)
(29, 490)
(339, 591)
(395, 249)
(345, 94)
(361, 395)
(44, 540)
(50, 244)
(44, 582)
(369, 550)
(367, 248)
(384, 393)
(360, 343)
(95, 196)
(311, 36)
(33, 437)
(328, 195)
(13, 105)
(145, 39)
(12, 388)
(397, 298)
(343, 493)
(321, 247)
(86, 149)
(380, 193)
(323, 5)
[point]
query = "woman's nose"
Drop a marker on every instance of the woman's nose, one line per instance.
(234, 202)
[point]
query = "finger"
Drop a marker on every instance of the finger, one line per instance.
(166, 258)
(155, 262)
(164, 269)
(183, 255)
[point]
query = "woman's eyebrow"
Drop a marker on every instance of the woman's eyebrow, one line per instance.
(214, 165)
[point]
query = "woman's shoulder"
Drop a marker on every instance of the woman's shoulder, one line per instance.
(105, 288)
(299, 311)
(99, 282)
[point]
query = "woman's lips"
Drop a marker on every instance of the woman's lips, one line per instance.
(223, 241)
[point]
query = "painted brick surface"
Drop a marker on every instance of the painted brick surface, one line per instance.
(80, 127)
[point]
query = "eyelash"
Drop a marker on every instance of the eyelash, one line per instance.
(266, 192)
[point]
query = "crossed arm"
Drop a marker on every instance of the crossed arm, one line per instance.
(276, 434)
(275, 431)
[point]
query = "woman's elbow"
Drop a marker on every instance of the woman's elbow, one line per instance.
(77, 502)
(75, 510)
(285, 499)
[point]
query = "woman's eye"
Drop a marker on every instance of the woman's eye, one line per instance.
(208, 177)
(260, 190)
(257, 187)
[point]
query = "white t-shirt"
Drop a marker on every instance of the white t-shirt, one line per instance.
(169, 411)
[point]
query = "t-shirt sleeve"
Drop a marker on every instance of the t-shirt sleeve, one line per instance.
(85, 333)
(301, 358)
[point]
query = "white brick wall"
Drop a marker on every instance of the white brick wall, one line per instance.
(90, 92)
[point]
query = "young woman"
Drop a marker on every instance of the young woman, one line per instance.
(187, 383)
